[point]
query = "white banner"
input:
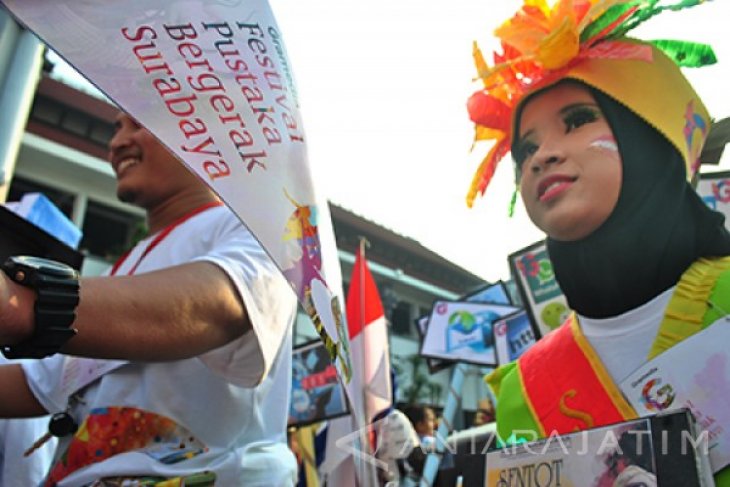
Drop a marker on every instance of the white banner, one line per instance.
(211, 79)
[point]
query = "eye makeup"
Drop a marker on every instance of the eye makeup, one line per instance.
(576, 115)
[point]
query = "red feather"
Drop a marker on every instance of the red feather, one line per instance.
(488, 111)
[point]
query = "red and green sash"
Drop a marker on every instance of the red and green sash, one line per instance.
(566, 386)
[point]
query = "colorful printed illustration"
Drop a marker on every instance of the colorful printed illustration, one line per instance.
(714, 189)
(537, 271)
(316, 393)
(303, 268)
(715, 193)
(496, 293)
(669, 381)
(611, 456)
(470, 330)
(303, 248)
(659, 399)
(463, 331)
(200, 479)
(631, 463)
(554, 314)
(540, 293)
(721, 191)
(693, 123)
(115, 430)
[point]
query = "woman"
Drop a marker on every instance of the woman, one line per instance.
(605, 133)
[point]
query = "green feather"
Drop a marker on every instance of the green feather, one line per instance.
(608, 17)
(650, 10)
(687, 54)
(513, 201)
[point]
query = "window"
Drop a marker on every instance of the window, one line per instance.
(63, 200)
(400, 319)
(109, 232)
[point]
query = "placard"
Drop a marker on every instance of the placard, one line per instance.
(545, 303)
(513, 335)
(693, 374)
(495, 293)
(316, 393)
(714, 189)
(663, 450)
(462, 331)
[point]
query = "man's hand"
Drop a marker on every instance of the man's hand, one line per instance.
(16, 311)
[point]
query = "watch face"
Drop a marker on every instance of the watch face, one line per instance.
(50, 266)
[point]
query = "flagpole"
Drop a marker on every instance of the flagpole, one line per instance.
(368, 474)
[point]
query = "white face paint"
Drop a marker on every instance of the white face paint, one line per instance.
(605, 143)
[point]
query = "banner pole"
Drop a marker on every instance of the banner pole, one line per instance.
(433, 460)
(21, 59)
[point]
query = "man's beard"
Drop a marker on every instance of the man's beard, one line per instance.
(127, 196)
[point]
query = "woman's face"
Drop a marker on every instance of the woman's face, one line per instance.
(568, 162)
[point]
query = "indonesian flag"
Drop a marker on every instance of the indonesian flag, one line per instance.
(368, 339)
(370, 388)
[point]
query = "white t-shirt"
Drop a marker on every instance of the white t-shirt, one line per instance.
(229, 405)
(623, 342)
(16, 436)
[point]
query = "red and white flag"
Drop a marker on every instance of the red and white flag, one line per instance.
(368, 339)
(370, 388)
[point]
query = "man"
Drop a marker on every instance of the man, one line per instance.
(199, 321)
(484, 413)
(423, 419)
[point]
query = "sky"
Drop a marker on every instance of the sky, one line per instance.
(382, 88)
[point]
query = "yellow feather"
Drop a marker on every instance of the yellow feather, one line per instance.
(479, 62)
(541, 4)
(487, 166)
(562, 45)
(485, 133)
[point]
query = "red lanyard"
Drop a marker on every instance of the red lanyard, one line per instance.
(160, 237)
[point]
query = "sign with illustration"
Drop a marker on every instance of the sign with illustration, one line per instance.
(513, 335)
(462, 331)
(608, 456)
(714, 189)
(661, 450)
(541, 296)
(702, 385)
(495, 293)
(212, 80)
(316, 393)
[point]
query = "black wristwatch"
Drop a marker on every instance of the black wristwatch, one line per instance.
(57, 289)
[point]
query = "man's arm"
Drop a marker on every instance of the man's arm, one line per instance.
(16, 399)
(169, 314)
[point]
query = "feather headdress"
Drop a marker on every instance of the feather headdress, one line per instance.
(586, 40)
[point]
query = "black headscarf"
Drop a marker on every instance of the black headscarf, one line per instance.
(658, 228)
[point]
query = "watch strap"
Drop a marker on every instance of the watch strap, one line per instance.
(56, 301)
